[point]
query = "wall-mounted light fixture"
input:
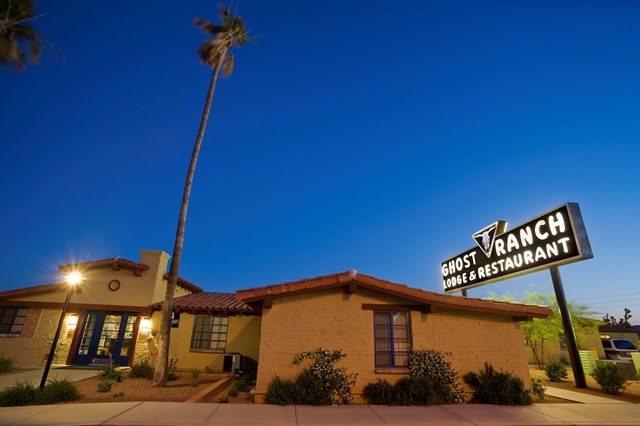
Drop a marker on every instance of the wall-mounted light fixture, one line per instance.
(145, 325)
(72, 321)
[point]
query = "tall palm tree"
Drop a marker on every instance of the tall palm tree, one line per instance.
(19, 40)
(217, 53)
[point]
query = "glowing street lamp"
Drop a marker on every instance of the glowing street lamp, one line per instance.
(73, 279)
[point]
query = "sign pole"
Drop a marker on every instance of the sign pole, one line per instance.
(565, 316)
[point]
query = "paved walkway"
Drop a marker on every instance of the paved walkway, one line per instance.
(589, 410)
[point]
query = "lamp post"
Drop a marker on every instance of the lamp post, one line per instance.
(72, 279)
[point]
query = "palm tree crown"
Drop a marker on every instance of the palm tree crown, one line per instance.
(16, 34)
(216, 52)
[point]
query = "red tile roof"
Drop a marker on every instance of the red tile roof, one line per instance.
(354, 280)
(187, 285)
(114, 262)
(208, 302)
(30, 291)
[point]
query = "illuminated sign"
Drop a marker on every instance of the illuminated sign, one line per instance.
(554, 238)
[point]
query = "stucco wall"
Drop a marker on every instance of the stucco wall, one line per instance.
(243, 336)
(334, 320)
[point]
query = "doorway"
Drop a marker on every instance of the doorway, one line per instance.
(106, 338)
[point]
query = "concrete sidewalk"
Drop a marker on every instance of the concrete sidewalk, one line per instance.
(588, 410)
(177, 413)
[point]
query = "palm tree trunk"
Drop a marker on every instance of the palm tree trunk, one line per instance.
(160, 373)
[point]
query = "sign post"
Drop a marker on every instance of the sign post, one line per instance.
(555, 238)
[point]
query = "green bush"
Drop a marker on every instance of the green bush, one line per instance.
(499, 388)
(110, 372)
(105, 386)
(56, 391)
(281, 392)
(556, 370)
(6, 364)
(195, 374)
(610, 377)
(334, 380)
(142, 369)
(538, 388)
(379, 393)
(311, 390)
(22, 393)
(440, 374)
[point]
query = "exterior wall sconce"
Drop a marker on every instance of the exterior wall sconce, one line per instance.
(72, 322)
(145, 325)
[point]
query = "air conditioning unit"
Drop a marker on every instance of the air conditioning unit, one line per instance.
(232, 362)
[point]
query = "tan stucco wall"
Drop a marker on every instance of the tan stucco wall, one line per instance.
(243, 336)
(589, 341)
(334, 320)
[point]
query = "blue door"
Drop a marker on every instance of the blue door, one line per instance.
(106, 338)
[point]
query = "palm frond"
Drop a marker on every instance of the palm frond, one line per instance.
(227, 67)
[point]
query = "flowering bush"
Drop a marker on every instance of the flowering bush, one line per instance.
(335, 381)
(432, 365)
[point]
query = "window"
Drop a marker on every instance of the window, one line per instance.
(392, 335)
(209, 332)
(12, 320)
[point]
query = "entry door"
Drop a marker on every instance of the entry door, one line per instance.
(106, 337)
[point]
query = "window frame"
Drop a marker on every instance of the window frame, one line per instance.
(11, 324)
(392, 339)
(203, 332)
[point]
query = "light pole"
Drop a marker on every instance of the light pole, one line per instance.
(72, 279)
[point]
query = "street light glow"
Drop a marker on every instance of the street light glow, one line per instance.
(74, 278)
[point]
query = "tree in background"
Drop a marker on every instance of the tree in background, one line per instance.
(538, 332)
(217, 53)
(622, 322)
(19, 41)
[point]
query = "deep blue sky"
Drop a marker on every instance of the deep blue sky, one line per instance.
(362, 134)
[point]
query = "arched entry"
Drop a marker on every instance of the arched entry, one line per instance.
(106, 337)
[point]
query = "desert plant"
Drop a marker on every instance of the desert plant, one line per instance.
(142, 369)
(556, 370)
(22, 393)
(281, 392)
(195, 374)
(110, 372)
(172, 374)
(335, 380)
(6, 364)
(538, 388)
(223, 400)
(118, 394)
(610, 377)
(105, 386)
(499, 388)
(56, 391)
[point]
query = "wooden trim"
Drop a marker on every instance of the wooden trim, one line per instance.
(351, 288)
(392, 370)
(267, 302)
(384, 307)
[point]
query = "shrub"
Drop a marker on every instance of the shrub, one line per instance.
(499, 388)
(223, 400)
(556, 370)
(432, 365)
(379, 393)
(105, 386)
(6, 364)
(310, 390)
(281, 392)
(195, 374)
(610, 377)
(142, 369)
(56, 391)
(538, 388)
(110, 372)
(118, 394)
(22, 393)
(335, 381)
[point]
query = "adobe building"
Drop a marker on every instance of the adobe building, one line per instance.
(114, 315)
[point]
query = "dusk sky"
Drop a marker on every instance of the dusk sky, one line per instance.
(352, 134)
